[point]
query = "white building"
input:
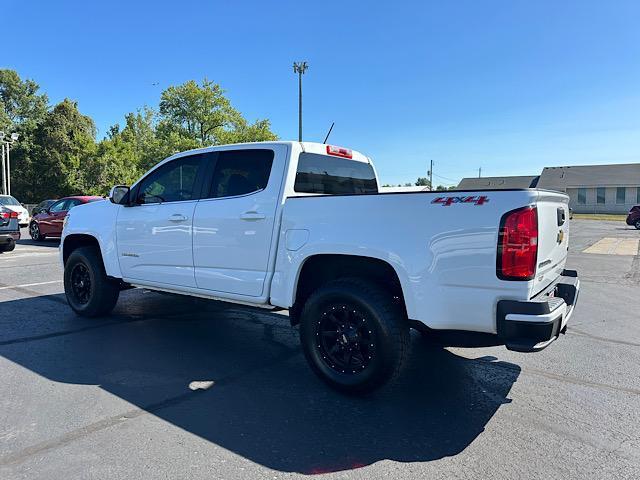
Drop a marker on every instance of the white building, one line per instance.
(591, 188)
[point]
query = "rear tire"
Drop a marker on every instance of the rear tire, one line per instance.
(9, 247)
(637, 224)
(90, 293)
(354, 336)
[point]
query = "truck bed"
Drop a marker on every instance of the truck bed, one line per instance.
(442, 245)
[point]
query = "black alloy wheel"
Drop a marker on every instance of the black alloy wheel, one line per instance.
(81, 283)
(344, 338)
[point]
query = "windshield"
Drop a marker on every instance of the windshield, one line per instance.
(8, 200)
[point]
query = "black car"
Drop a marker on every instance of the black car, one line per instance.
(42, 207)
(9, 229)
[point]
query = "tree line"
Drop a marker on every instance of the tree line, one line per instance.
(58, 154)
(422, 182)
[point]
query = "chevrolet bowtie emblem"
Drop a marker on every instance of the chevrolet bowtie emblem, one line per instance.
(560, 237)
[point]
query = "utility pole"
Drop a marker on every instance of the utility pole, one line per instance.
(300, 68)
(480, 172)
(431, 175)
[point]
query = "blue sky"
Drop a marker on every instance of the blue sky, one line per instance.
(509, 86)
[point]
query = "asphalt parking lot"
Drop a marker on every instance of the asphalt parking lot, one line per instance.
(115, 397)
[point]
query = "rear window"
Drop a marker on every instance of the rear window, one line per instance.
(330, 175)
(8, 200)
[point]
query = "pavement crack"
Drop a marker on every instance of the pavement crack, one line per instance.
(602, 339)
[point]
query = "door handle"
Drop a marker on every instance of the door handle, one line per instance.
(177, 217)
(252, 216)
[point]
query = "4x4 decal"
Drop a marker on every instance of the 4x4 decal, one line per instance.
(447, 201)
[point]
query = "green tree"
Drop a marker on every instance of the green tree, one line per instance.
(202, 113)
(22, 108)
(21, 104)
(57, 153)
(423, 182)
(65, 147)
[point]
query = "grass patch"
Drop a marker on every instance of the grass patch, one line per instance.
(600, 216)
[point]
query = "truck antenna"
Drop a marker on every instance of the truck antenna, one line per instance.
(329, 132)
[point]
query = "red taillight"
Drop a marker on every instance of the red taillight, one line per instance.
(339, 151)
(518, 244)
(9, 214)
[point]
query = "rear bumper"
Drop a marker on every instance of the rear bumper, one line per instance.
(533, 325)
(6, 238)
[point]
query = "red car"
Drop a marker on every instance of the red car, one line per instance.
(49, 223)
(634, 217)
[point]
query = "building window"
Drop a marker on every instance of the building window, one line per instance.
(600, 194)
(582, 196)
(620, 192)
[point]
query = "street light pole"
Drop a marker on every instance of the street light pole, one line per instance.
(4, 168)
(300, 68)
(7, 148)
(6, 165)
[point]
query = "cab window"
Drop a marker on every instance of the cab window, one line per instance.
(173, 182)
(60, 206)
(240, 172)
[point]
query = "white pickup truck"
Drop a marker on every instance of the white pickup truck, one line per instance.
(303, 227)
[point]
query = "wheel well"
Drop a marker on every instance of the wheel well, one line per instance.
(319, 269)
(73, 242)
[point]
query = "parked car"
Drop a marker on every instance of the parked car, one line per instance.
(12, 204)
(49, 222)
(9, 229)
(634, 217)
(302, 226)
(42, 207)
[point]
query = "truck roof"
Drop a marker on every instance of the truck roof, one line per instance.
(310, 147)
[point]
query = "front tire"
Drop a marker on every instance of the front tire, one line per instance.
(354, 336)
(90, 293)
(637, 224)
(34, 232)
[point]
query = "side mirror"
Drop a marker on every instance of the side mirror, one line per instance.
(119, 195)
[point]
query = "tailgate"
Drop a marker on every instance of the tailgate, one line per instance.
(553, 238)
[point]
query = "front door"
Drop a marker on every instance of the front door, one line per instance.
(154, 235)
(51, 222)
(234, 221)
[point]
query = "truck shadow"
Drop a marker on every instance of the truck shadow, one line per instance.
(265, 404)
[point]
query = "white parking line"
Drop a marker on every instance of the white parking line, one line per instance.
(30, 284)
(23, 254)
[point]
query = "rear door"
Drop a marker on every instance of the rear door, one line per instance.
(234, 225)
(553, 237)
